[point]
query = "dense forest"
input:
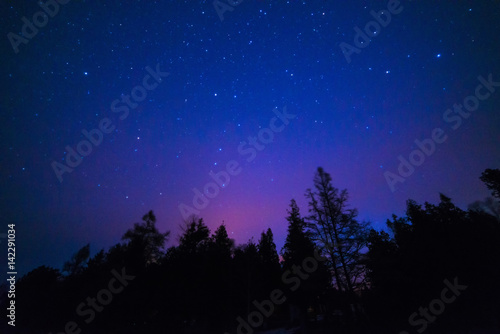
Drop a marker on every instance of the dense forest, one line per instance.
(433, 270)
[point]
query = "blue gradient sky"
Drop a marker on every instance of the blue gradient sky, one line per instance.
(225, 79)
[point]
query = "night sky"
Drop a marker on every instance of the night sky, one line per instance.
(269, 93)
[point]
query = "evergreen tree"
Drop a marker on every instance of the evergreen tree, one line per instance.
(221, 244)
(196, 236)
(189, 272)
(145, 243)
(298, 247)
(335, 228)
(220, 280)
(269, 270)
(267, 251)
(430, 244)
(247, 276)
(298, 244)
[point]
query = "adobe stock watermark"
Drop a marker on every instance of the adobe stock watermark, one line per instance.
(454, 118)
(94, 137)
(103, 298)
(372, 29)
(293, 279)
(225, 6)
(436, 307)
(222, 178)
(39, 20)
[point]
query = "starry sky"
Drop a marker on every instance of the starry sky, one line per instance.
(111, 109)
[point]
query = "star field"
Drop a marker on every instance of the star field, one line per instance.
(226, 81)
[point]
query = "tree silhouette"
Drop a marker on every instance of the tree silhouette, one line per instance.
(247, 275)
(430, 244)
(219, 276)
(335, 228)
(38, 299)
(298, 247)
(267, 251)
(268, 273)
(206, 282)
(144, 240)
(489, 206)
(196, 236)
(298, 244)
(78, 261)
(491, 177)
(220, 244)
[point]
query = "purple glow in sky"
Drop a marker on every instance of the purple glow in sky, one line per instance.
(146, 101)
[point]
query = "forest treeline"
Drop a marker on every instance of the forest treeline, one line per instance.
(434, 270)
